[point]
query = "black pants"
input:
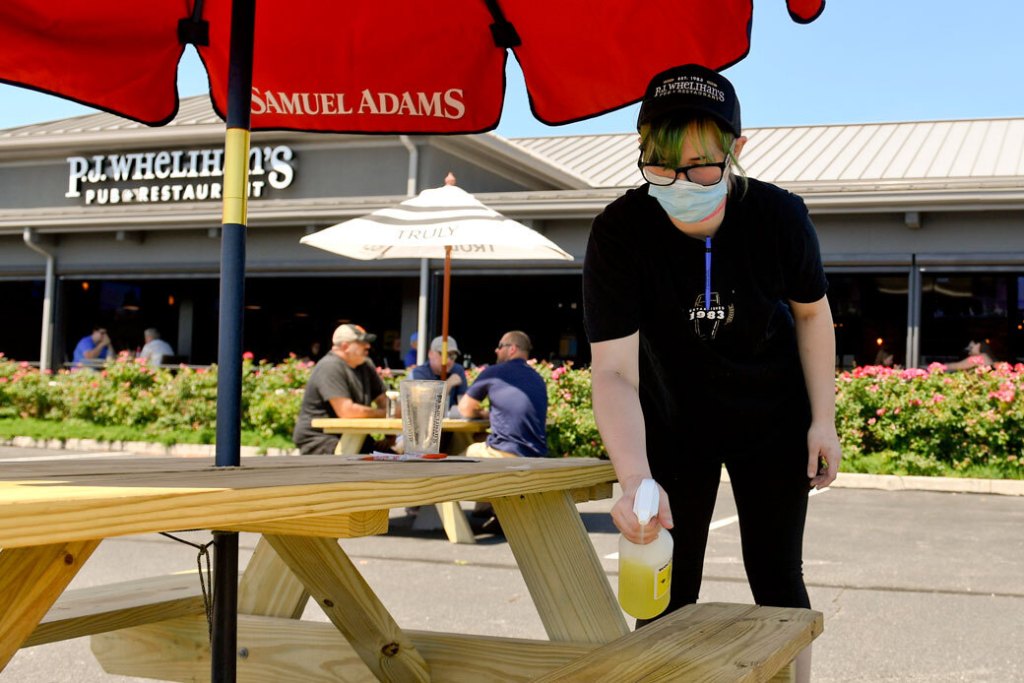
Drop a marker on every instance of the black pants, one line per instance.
(770, 488)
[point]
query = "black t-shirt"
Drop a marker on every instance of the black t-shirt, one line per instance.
(333, 378)
(722, 375)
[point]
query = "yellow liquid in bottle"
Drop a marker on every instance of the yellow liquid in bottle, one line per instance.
(643, 591)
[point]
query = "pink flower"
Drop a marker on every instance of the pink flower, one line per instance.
(913, 373)
(23, 364)
(880, 412)
(936, 367)
(248, 355)
(1006, 393)
(873, 388)
(938, 398)
(872, 420)
(3, 380)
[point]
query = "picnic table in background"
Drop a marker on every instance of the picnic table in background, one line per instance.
(354, 429)
(448, 514)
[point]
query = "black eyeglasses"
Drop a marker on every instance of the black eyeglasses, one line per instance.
(700, 174)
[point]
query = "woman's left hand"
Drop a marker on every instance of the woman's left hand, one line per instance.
(824, 454)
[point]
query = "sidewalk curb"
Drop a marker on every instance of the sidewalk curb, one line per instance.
(895, 482)
(185, 450)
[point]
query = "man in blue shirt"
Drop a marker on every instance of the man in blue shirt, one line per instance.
(456, 375)
(519, 403)
(410, 355)
(92, 347)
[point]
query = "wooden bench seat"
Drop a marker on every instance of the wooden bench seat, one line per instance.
(88, 611)
(704, 642)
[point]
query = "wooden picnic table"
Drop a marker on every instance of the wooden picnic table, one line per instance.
(53, 515)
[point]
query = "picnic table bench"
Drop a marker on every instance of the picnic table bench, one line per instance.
(54, 514)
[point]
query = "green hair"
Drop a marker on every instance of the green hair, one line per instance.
(662, 142)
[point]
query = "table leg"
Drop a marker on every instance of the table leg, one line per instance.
(269, 588)
(455, 523)
(352, 606)
(31, 580)
(350, 443)
(561, 569)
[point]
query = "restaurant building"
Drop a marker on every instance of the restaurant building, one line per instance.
(107, 222)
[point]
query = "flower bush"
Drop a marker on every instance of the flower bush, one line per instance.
(925, 421)
(571, 426)
(901, 421)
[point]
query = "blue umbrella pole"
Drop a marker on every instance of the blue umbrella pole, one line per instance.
(224, 641)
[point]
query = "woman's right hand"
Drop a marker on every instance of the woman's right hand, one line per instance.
(625, 519)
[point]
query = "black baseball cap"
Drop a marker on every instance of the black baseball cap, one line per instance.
(691, 90)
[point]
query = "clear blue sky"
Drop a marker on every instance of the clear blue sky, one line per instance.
(861, 61)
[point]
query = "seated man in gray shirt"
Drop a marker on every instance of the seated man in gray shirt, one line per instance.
(344, 383)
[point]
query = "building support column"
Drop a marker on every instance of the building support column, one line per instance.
(914, 293)
(46, 337)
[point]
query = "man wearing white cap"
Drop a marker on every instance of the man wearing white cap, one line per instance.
(456, 379)
(344, 383)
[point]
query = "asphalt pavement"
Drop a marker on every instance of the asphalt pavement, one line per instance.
(914, 585)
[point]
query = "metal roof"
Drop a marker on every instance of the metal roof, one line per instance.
(876, 153)
(192, 111)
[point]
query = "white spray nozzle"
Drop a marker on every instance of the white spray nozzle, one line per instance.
(645, 502)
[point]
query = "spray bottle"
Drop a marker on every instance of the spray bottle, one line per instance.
(645, 571)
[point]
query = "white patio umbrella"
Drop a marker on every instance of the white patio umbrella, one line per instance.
(445, 222)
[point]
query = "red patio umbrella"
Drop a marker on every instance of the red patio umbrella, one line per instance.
(360, 67)
(373, 67)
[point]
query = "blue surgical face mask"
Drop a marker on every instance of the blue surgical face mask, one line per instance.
(689, 202)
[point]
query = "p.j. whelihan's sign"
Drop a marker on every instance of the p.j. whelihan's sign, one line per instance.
(172, 175)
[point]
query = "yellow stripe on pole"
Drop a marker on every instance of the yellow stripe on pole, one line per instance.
(236, 175)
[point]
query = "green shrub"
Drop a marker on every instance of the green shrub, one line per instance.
(927, 421)
(913, 421)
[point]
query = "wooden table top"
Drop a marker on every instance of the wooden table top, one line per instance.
(335, 425)
(54, 501)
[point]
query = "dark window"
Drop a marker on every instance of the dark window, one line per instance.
(870, 315)
(959, 307)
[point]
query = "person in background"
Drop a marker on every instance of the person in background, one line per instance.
(344, 383)
(410, 355)
(518, 412)
(155, 348)
(978, 353)
(712, 342)
(92, 347)
(456, 374)
(885, 357)
(519, 403)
